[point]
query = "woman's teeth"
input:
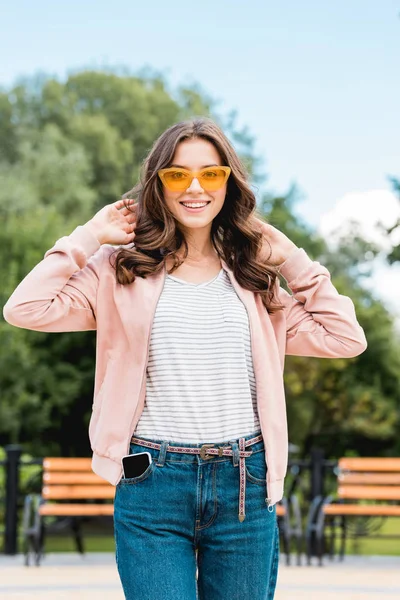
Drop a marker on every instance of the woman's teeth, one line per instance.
(194, 204)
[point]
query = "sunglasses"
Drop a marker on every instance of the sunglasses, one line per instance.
(178, 180)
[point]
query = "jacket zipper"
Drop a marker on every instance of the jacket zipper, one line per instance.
(147, 362)
(267, 500)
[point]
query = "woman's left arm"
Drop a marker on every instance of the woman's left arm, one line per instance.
(320, 322)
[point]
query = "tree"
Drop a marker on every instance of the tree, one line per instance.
(342, 404)
(66, 150)
(394, 255)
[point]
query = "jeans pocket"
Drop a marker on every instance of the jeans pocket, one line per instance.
(256, 480)
(140, 478)
(256, 468)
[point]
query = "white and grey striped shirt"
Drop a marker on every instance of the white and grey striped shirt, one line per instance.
(200, 381)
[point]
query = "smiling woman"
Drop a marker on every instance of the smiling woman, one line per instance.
(189, 368)
(196, 193)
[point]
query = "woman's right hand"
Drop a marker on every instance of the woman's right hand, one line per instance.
(114, 223)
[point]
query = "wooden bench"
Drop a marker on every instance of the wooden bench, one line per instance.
(71, 489)
(367, 487)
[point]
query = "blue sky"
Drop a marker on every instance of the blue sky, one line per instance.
(316, 82)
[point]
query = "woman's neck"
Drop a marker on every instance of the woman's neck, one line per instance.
(196, 257)
(200, 248)
(199, 252)
(204, 259)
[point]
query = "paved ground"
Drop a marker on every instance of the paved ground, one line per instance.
(95, 577)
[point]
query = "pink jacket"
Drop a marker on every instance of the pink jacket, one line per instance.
(74, 288)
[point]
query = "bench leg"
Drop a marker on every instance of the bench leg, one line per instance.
(283, 534)
(286, 545)
(332, 523)
(32, 530)
(343, 538)
(311, 527)
(320, 534)
(27, 528)
(320, 547)
(28, 548)
(299, 540)
(38, 542)
(297, 528)
(309, 546)
(77, 532)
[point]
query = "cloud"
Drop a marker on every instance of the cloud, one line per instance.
(372, 211)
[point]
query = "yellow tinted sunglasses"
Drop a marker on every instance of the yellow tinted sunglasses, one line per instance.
(178, 180)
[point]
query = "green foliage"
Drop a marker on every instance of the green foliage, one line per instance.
(29, 479)
(68, 148)
(343, 405)
(394, 254)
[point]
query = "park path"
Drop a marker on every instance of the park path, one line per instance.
(95, 577)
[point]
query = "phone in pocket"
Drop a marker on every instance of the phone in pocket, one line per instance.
(134, 465)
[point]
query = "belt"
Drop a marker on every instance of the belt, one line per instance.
(208, 451)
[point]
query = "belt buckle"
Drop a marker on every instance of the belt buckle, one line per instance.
(203, 451)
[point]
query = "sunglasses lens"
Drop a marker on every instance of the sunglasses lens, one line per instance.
(212, 179)
(176, 180)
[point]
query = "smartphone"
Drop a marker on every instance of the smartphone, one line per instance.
(134, 465)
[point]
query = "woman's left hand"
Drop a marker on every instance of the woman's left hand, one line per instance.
(280, 246)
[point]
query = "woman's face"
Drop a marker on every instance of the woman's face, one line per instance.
(195, 154)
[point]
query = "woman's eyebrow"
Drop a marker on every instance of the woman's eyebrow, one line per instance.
(187, 168)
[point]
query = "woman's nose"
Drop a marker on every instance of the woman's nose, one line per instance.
(194, 186)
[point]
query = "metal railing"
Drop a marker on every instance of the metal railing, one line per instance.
(316, 465)
(12, 467)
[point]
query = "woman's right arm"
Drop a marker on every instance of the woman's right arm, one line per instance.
(60, 292)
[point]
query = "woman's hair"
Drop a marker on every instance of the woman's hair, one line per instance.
(234, 232)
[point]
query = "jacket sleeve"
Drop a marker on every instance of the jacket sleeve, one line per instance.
(319, 321)
(59, 293)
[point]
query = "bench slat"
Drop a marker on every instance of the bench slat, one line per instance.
(78, 492)
(75, 510)
(369, 478)
(67, 464)
(371, 492)
(67, 477)
(370, 464)
(384, 510)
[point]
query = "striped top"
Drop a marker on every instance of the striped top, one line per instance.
(200, 381)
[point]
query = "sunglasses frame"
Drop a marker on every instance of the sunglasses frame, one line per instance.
(194, 175)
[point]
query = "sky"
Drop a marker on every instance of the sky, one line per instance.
(315, 82)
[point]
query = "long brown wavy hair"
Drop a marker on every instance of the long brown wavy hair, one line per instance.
(234, 231)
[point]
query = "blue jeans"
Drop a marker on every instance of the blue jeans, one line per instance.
(182, 504)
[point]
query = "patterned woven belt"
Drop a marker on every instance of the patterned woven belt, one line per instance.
(208, 451)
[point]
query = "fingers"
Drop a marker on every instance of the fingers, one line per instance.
(121, 204)
(131, 202)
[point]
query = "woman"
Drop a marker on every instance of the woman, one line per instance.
(192, 330)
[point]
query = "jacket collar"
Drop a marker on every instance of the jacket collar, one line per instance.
(246, 296)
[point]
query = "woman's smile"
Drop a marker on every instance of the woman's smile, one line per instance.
(195, 207)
